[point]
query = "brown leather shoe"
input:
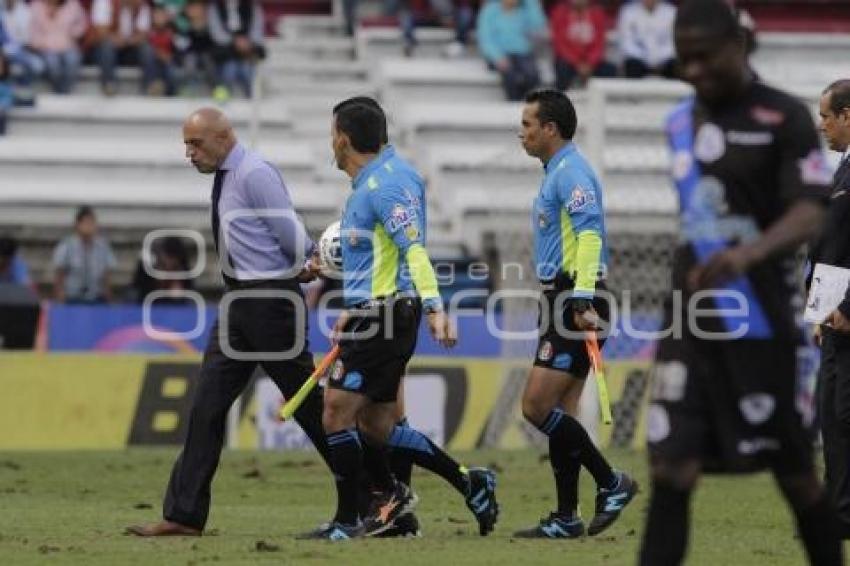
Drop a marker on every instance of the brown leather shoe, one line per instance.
(162, 529)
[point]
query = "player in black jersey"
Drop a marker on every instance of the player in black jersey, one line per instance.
(752, 182)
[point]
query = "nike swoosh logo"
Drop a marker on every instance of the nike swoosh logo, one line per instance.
(838, 194)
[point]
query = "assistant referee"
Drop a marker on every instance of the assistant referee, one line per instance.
(262, 248)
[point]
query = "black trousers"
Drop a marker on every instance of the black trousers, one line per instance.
(253, 325)
(834, 412)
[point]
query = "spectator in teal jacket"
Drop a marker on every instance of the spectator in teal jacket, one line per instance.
(506, 32)
(6, 95)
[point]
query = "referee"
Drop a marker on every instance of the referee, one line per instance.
(834, 249)
(262, 252)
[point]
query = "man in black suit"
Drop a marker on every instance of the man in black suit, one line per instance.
(833, 248)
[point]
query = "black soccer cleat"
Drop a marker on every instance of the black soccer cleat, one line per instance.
(555, 526)
(481, 499)
(610, 502)
(403, 527)
(389, 507)
(334, 531)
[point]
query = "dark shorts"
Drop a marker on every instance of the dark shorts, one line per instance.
(732, 405)
(373, 366)
(561, 351)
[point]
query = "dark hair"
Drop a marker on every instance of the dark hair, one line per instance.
(83, 212)
(554, 106)
(8, 246)
(364, 126)
(840, 99)
(716, 17)
(173, 246)
(371, 103)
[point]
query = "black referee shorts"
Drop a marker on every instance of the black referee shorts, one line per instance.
(374, 364)
(562, 345)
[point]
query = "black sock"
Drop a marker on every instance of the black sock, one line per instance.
(376, 466)
(819, 531)
(346, 459)
(665, 538)
(565, 433)
(400, 463)
(309, 418)
(425, 454)
(566, 467)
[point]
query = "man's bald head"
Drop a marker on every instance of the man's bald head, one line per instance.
(209, 137)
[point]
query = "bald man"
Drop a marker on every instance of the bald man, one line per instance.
(263, 251)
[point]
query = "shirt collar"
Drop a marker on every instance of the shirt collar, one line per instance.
(234, 158)
(386, 153)
(568, 148)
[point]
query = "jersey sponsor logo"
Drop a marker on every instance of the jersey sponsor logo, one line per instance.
(757, 407)
(401, 217)
(751, 446)
(545, 352)
(814, 169)
(580, 199)
(414, 201)
(738, 137)
(767, 116)
(710, 144)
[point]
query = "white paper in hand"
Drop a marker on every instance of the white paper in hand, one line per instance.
(829, 284)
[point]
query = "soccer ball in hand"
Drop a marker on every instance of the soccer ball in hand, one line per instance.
(330, 251)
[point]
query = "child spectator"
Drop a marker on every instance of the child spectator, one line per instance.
(578, 40)
(55, 28)
(236, 28)
(196, 48)
(506, 31)
(161, 40)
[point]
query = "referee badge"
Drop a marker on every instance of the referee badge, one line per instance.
(545, 352)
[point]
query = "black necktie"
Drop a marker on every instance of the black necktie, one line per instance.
(216, 197)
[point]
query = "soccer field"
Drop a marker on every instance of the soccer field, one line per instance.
(71, 508)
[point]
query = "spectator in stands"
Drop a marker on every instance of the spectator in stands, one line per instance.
(196, 47)
(645, 30)
(506, 33)
(82, 263)
(161, 39)
(24, 65)
(457, 14)
(236, 28)
(121, 37)
(6, 97)
(169, 255)
(13, 269)
(56, 26)
(578, 40)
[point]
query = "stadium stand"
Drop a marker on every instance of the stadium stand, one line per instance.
(124, 157)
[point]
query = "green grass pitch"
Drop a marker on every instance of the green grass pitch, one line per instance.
(71, 508)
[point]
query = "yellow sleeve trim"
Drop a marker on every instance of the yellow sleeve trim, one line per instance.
(422, 272)
(588, 256)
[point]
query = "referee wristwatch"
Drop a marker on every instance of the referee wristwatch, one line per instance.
(432, 305)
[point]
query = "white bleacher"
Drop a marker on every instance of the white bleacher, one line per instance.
(136, 116)
(124, 155)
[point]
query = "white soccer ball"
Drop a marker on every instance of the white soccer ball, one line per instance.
(330, 250)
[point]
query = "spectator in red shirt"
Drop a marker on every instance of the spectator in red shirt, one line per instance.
(578, 39)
